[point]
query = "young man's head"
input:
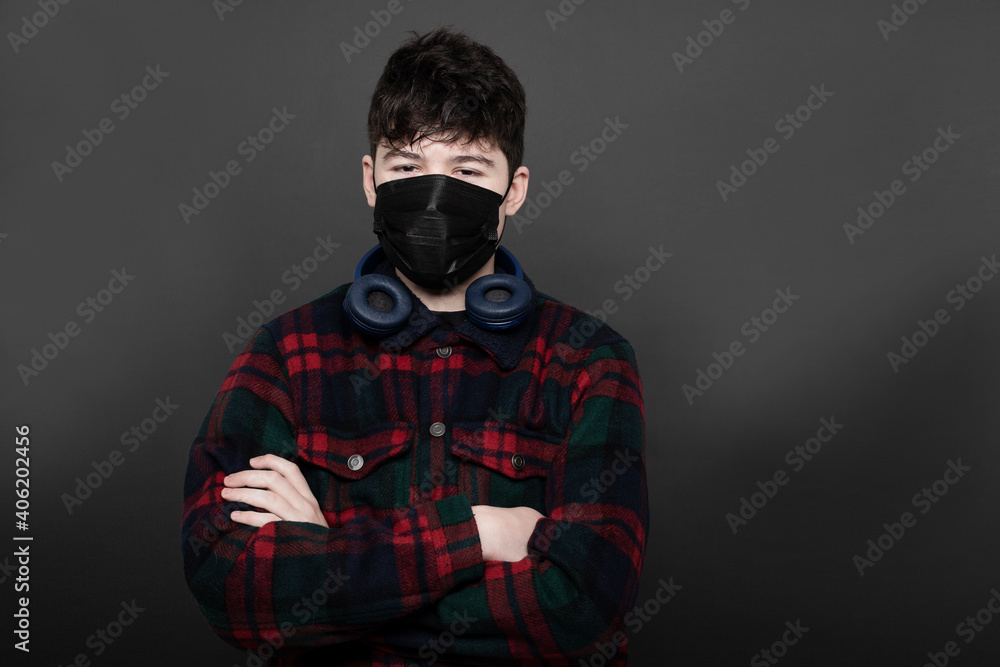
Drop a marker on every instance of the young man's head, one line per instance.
(446, 104)
(445, 85)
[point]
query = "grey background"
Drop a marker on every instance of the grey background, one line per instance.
(655, 184)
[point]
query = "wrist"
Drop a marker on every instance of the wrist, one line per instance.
(484, 519)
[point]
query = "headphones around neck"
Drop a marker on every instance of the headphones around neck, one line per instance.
(379, 305)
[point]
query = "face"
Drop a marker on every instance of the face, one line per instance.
(480, 165)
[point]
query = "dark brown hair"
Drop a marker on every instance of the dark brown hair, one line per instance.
(445, 83)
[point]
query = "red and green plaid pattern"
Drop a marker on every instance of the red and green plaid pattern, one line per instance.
(540, 415)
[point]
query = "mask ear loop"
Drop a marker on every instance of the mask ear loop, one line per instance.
(500, 236)
(507, 191)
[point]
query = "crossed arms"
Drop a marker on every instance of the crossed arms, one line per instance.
(540, 586)
(277, 487)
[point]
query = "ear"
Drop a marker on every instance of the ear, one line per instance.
(518, 191)
(367, 171)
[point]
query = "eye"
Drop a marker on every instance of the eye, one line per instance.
(404, 168)
(468, 172)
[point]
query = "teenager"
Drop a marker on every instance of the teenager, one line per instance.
(435, 463)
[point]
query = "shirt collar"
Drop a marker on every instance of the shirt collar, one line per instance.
(506, 346)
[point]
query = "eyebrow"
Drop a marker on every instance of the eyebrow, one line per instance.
(458, 159)
(481, 159)
(400, 153)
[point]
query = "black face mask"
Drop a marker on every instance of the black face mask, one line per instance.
(436, 229)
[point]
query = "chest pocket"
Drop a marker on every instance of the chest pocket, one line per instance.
(351, 471)
(502, 464)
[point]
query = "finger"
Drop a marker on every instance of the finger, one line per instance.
(262, 498)
(295, 507)
(257, 519)
(288, 470)
(267, 479)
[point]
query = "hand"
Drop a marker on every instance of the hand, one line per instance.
(504, 531)
(276, 485)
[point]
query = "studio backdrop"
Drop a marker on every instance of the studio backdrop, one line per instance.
(789, 209)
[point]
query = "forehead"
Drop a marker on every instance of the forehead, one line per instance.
(430, 149)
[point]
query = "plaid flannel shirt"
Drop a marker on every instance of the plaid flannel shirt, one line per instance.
(397, 440)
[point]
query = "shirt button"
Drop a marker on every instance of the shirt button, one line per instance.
(355, 462)
(437, 428)
(517, 461)
(444, 352)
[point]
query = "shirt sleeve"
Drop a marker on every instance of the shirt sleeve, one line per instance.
(296, 584)
(581, 577)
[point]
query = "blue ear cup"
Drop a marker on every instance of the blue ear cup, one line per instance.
(499, 300)
(380, 305)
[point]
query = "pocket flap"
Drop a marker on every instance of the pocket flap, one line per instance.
(508, 449)
(354, 455)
